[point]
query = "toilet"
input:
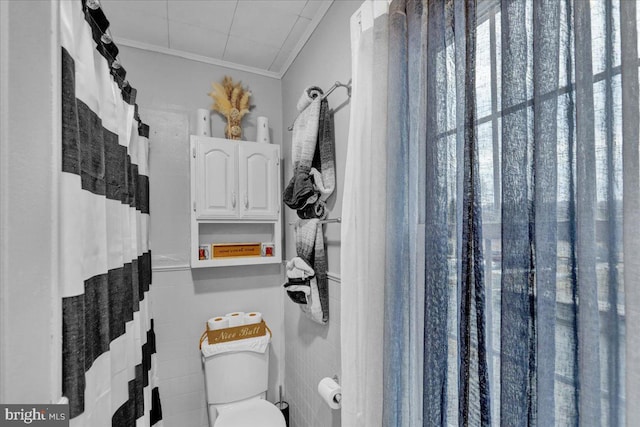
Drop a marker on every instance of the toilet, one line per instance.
(236, 385)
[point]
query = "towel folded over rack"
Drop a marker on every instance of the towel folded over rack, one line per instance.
(313, 153)
(313, 182)
(303, 147)
(323, 167)
(307, 282)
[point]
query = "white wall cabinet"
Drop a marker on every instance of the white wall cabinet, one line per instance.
(259, 166)
(216, 179)
(235, 195)
(236, 179)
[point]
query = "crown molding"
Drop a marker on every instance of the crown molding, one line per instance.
(195, 57)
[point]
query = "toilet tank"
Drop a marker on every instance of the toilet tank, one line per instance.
(230, 377)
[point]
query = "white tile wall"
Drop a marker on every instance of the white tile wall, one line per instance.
(312, 352)
(182, 302)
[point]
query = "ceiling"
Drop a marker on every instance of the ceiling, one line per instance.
(261, 36)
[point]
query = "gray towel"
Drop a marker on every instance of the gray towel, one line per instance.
(300, 190)
(323, 170)
(323, 167)
(310, 247)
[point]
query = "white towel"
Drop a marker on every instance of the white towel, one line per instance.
(256, 344)
(297, 268)
(305, 128)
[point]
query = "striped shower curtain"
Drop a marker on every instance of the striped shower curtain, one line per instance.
(108, 341)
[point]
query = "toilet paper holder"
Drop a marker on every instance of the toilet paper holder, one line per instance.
(330, 391)
(338, 397)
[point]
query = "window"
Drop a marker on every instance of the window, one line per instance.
(605, 26)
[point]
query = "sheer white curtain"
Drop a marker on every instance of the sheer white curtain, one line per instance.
(531, 209)
(363, 221)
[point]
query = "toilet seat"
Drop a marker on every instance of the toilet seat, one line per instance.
(252, 413)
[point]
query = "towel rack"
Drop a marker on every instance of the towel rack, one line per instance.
(336, 85)
(331, 89)
(322, 221)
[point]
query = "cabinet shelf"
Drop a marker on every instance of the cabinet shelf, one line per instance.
(235, 198)
(235, 221)
(231, 262)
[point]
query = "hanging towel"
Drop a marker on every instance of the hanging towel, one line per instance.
(313, 153)
(300, 190)
(323, 167)
(323, 171)
(310, 248)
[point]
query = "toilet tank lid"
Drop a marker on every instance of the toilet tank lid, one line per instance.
(257, 412)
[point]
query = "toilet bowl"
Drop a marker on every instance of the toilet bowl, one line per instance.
(250, 413)
(236, 384)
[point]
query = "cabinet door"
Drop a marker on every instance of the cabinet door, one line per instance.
(259, 166)
(216, 186)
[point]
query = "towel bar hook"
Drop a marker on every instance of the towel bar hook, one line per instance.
(336, 85)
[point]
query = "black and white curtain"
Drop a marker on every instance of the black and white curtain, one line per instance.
(108, 343)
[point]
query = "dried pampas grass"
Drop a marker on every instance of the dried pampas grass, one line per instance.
(232, 101)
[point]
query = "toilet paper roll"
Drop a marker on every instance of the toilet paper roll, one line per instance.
(331, 392)
(203, 122)
(262, 133)
(252, 318)
(216, 323)
(235, 318)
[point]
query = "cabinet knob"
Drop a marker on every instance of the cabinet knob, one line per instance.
(233, 199)
(246, 201)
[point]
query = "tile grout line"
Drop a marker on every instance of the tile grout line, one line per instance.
(298, 16)
(224, 52)
(168, 26)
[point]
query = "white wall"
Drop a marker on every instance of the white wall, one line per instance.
(30, 128)
(177, 83)
(313, 351)
(170, 90)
